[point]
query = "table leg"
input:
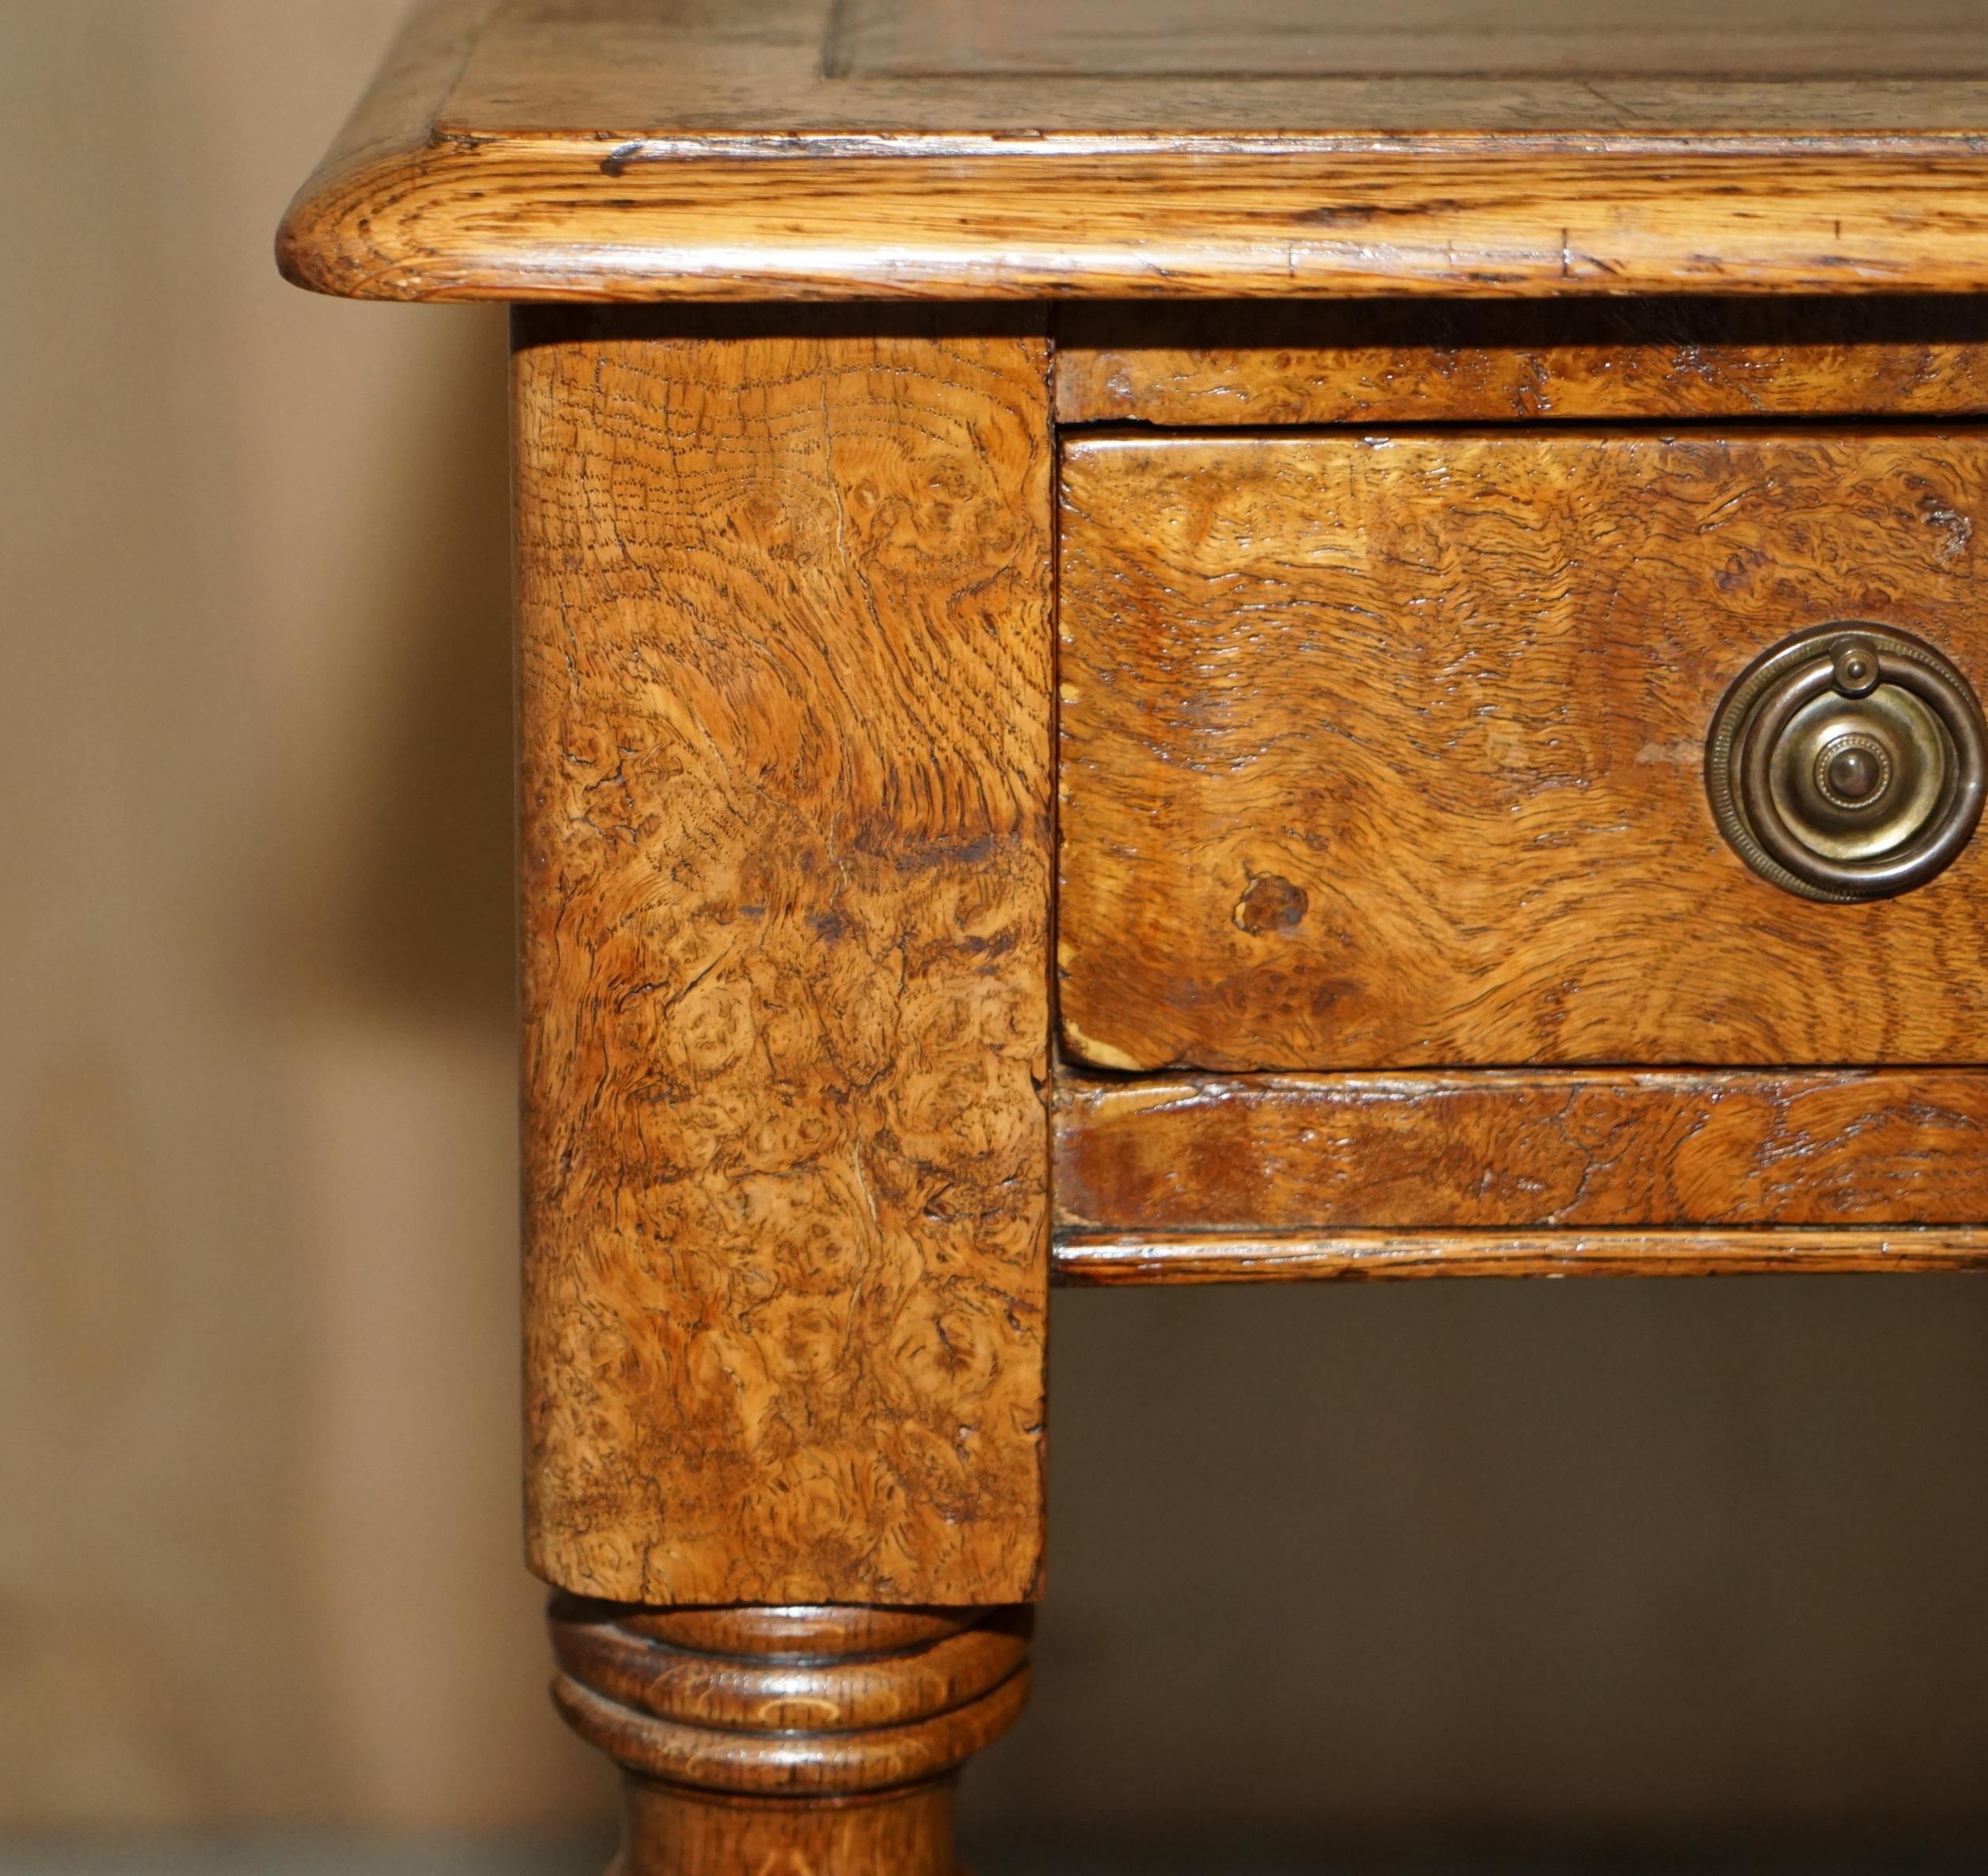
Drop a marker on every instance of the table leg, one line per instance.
(811, 1741)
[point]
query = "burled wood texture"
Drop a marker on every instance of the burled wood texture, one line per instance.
(1238, 364)
(804, 1742)
(617, 150)
(1386, 751)
(1545, 1148)
(1100, 1257)
(784, 676)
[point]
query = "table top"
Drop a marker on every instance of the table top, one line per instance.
(971, 149)
(1723, 40)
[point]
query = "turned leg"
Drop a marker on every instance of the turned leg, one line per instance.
(791, 1741)
(785, 687)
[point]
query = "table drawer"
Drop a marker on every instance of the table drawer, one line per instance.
(1391, 750)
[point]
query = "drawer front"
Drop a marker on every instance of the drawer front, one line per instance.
(1390, 751)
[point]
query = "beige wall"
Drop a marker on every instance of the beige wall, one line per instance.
(258, 1555)
(1559, 1558)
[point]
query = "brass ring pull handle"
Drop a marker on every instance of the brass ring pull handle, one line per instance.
(1849, 762)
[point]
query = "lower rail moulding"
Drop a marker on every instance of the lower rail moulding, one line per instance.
(1096, 1257)
(1526, 1151)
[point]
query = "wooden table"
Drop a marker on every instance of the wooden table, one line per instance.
(1167, 643)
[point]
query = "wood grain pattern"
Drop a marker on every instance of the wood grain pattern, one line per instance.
(784, 679)
(1454, 38)
(392, 127)
(613, 150)
(1083, 1257)
(1241, 364)
(1543, 1149)
(550, 218)
(1385, 751)
(808, 1741)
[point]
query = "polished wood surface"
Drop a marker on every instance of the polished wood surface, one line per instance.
(1240, 363)
(1107, 1258)
(1387, 750)
(786, 67)
(1381, 745)
(784, 676)
(616, 149)
(1609, 38)
(635, 70)
(805, 1742)
(1544, 1148)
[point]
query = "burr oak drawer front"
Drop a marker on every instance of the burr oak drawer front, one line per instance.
(1436, 748)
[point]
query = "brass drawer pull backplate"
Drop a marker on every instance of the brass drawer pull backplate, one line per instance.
(1848, 763)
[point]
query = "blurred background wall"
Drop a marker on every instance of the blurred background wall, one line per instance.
(1534, 1562)
(258, 1556)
